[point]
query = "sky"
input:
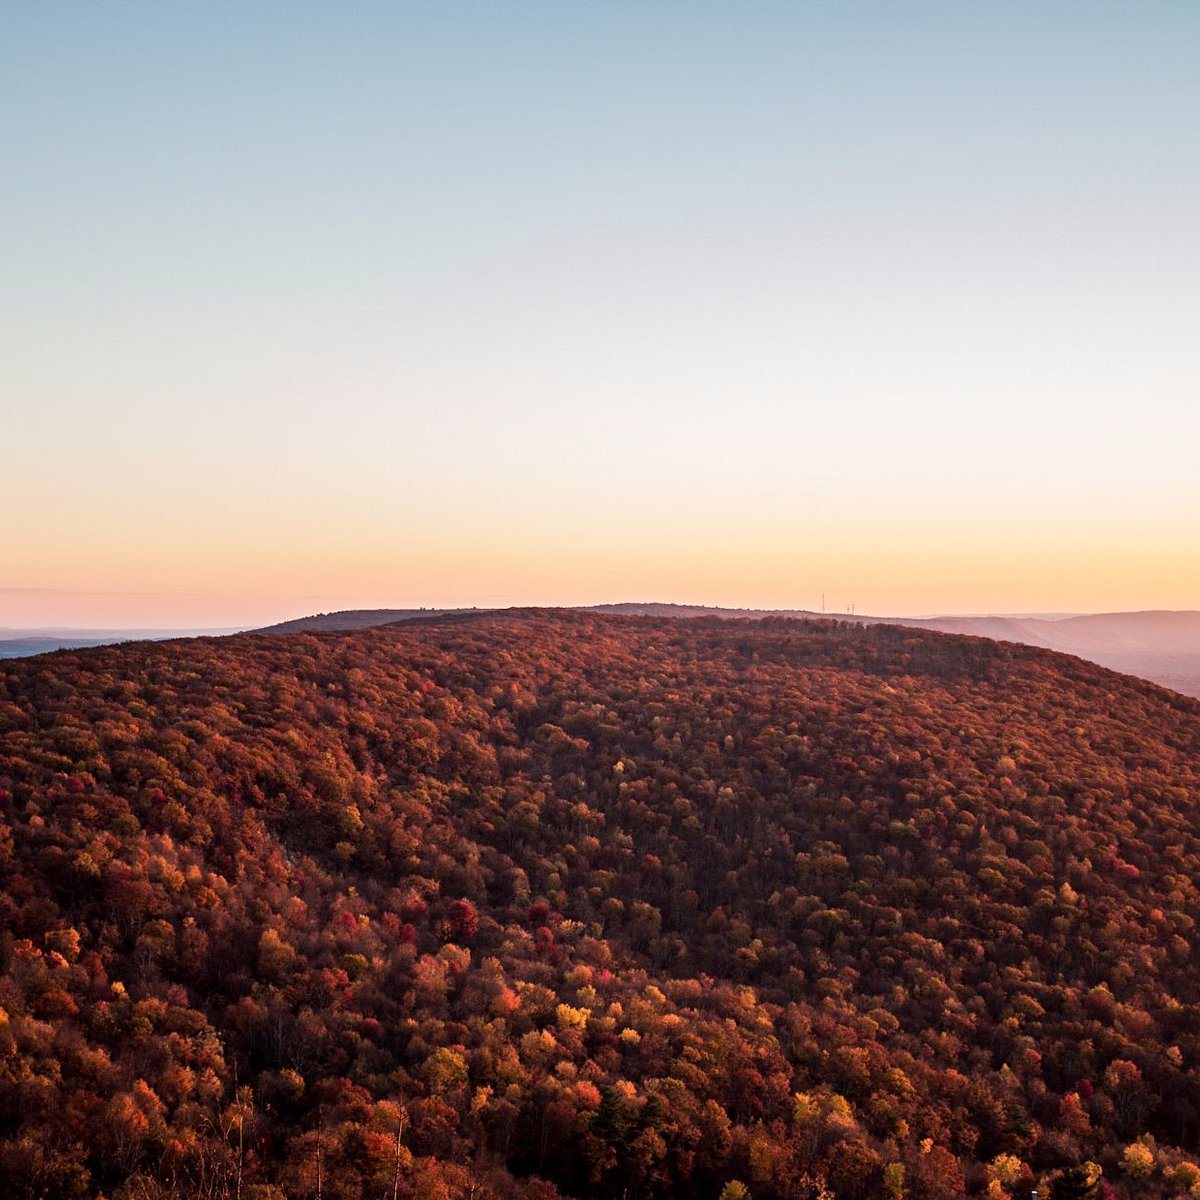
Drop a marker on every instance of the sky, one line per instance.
(314, 306)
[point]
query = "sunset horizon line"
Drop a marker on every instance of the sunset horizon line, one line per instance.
(81, 626)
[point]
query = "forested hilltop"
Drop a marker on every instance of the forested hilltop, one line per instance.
(1163, 647)
(534, 904)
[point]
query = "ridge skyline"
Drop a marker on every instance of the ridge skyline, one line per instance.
(1159, 645)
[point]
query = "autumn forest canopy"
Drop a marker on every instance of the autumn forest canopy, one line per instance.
(545, 903)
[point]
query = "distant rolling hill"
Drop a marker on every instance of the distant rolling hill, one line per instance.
(22, 643)
(358, 618)
(374, 618)
(22, 647)
(1163, 647)
(1160, 646)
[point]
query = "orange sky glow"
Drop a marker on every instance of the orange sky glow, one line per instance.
(563, 305)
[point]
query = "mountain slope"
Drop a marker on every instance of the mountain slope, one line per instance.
(597, 904)
(1162, 646)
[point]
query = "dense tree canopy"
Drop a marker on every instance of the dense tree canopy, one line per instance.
(542, 903)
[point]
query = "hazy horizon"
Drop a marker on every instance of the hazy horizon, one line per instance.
(20, 608)
(469, 304)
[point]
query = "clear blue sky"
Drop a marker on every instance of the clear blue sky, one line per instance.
(319, 305)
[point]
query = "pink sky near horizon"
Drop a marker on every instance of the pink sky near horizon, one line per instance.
(896, 578)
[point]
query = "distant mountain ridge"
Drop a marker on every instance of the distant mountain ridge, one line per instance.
(23, 643)
(1163, 647)
(23, 647)
(358, 618)
(1159, 645)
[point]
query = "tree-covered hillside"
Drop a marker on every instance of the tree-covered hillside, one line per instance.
(545, 903)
